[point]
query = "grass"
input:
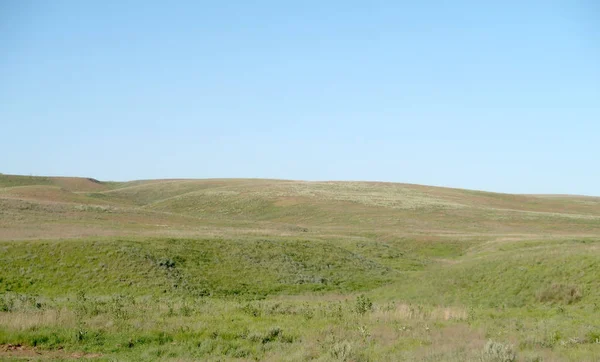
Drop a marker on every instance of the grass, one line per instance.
(216, 267)
(291, 271)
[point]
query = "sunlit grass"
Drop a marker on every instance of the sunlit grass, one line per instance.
(291, 271)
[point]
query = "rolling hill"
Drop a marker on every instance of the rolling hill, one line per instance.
(253, 269)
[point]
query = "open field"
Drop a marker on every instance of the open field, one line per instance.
(276, 270)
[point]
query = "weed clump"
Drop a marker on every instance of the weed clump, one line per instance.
(559, 293)
(166, 263)
(341, 351)
(498, 352)
(593, 337)
(363, 304)
(272, 335)
(7, 303)
(11, 302)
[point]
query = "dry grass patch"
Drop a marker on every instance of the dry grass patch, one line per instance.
(31, 320)
(400, 312)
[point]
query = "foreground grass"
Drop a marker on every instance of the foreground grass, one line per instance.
(216, 299)
(324, 328)
(332, 327)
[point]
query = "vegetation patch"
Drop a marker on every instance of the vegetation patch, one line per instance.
(239, 270)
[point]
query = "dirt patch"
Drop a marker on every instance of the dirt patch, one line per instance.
(78, 184)
(18, 351)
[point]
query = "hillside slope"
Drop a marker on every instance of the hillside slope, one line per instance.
(72, 207)
(251, 269)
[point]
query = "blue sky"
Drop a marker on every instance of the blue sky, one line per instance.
(501, 96)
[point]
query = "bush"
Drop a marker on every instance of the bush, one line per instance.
(593, 336)
(341, 351)
(363, 304)
(7, 303)
(272, 335)
(166, 263)
(498, 352)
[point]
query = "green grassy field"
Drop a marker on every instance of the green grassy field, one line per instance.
(275, 270)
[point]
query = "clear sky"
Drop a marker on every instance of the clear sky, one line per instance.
(493, 95)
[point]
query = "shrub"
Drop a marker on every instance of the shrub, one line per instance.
(498, 352)
(341, 351)
(363, 304)
(186, 310)
(81, 334)
(166, 263)
(7, 303)
(252, 309)
(117, 307)
(272, 335)
(593, 336)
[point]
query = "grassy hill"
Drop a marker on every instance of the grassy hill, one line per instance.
(250, 269)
